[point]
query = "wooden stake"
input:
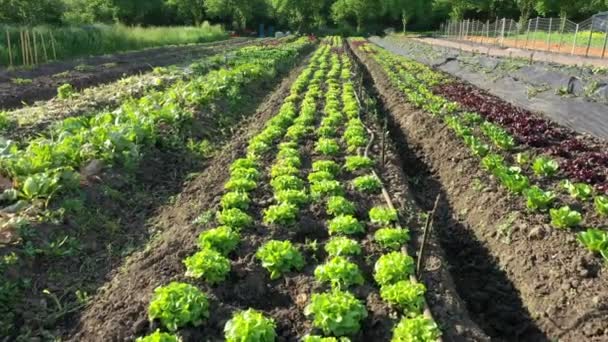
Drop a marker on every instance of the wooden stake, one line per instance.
(383, 155)
(22, 41)
(35, 48)
(10, 51)
(46, 57)
(427, 229)
(53, 45)
(28, 47)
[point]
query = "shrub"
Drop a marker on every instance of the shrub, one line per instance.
(368, 183)
(282, 214)
(222, 239)
(279, 257)
(250, 326)
(208, 264)
(565, 217)
(393, 267)
(338, 205)
(418, 328)
(405, 295)
(177, 305)
(342, 246)
(356, 163)
(383, 215)
(158, 336)
(327, 147)
(327, 166)
(345, 224)
(338, 313)
(239, 200)
(339, 272)
(234, 218)
(392, 238)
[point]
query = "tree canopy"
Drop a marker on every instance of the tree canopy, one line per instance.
(298, 15)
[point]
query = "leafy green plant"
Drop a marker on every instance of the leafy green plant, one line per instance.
(342, 246)
(287, 183)
(368, 183)
(158, 336)
(245, 173)
(326, 166)
(279, 257)
(65, 91)
(338, 205)
(595, 240)
(565, 217)
(319, 176)
(234, 218)
(240, 185)
(250, 326)
(322, 189)
(208, 264)
(579, 191)
(417, 328)
(288, 152)
(336, 312)
(40, 185)
(405, 295)
(392, 238)
(393, 267)
(283, 214)
(513, 180)
(601, 205)
(544, 166)
(295, 197)
(501, 138)
(492, 162)
(243, 163)
(315, 338)
(327, 147)
(537, 199)
(523, 158)
(345, 224)
(383, 215)
(339, 272)
(477, 146)
(356, 163)
(278, 170)
(222, 239)
(178, 304)
(239, 200)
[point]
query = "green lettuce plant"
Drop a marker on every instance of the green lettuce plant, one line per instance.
(239, 200)
(601, 205)
(245, 173)
(565, 217)
(281, 214)
(322, 189)
(393, 267)
(339, 272)
(295, 197)
(287, 183)
(240, 185)
(326, 166)
(345, 224)
(327, 147)
(279, 257)
(595, 240)
(319, 176)
(417, 328)
(234, 218)
(392, 238)
(279, 170)
(383, 215)
(537, 199)
(315, 338)
(222, 239)
(545, 166)
(336, 312)
(579, 191)
(158, 336)
(338, 205)
(178, 304)
(357, 163)
(342, 246)
(367, 183)
(208, 264)
(250, 326)
(405, 295)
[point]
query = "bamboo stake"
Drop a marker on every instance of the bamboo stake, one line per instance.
(46, 57)
(10, 51)
(28, 46)
(428, 226)
(22, 41)
(53, 45)
(35, 47)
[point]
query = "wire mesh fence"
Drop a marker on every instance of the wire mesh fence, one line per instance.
(560, 35)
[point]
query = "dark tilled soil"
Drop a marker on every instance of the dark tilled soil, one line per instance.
(520, 279)
(46, 78)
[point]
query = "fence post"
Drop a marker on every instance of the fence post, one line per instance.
(496, 32)
(561, 34)
(53, 45)
(10, 51)
(589, 41)
(528, 33)
(487, 30)
(535, 33)
(549, 36)
(605, 41)
(510, 27)
(502, 32)
(574, 42)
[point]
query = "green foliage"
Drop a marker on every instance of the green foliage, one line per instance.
(250, 326)
(245, 173)
(342, 246)
(417, 328)
(327, 147)
(279, 170)
(319, 176)
(544, 166)
(158, 336)
(393, 267)
(315, 338)
(601, 205)
(579, 191)
(240, 185)
(392, 238)
(338, 205)
(283, 214)
(40, 185)
(338, 313)
(327, 166)
(339, 272)
(513, 179)
(356, 163)
(322, 189)
(208, 264)
(295, 197)
(478, 148)
(178, 304)
(65, 91)
(493, 162)
(345, 224)
(498, 135)
(537, 199)
(238, 200)
(234, 218)
(406, 295)
(282, 183)
(279, 257)
(383, 215)
(595, 240)
(368, 183)
(565, 217)
(222, 239)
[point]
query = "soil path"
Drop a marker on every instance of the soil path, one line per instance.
(41, 83)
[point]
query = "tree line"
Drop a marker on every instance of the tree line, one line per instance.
(301, 15)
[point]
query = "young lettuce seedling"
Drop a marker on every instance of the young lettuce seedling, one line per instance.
(338, 313)
(344, 224)
(383, 215)
(250, 325)
(368, 183)
(279, 257)
(417, 328)
(222, 239)
(178, 304)
(596, 241)
(208, 264)
(393, 267)
(342, 246)
(544, 166)
(158, 336)
(339, 272)
(565, 217)
(392, 238)
(405, 295)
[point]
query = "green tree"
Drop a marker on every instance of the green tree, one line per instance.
(238, 11)
(399, 9)
(191, 9)
(300, 14)
(88, 11)
(362, 11)
(31, 11)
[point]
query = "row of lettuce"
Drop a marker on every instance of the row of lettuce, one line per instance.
(517, 171)
(49, 165)
(337, 312)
